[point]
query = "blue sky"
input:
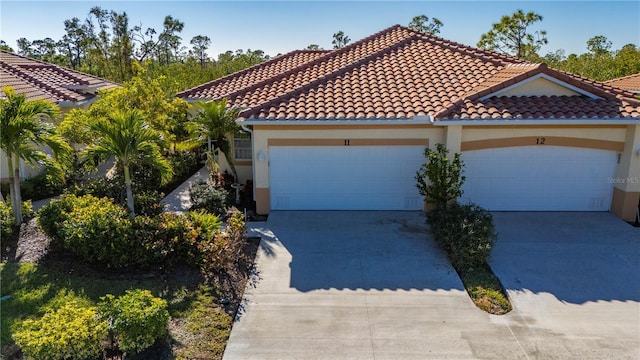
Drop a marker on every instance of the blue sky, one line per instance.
(281, 26)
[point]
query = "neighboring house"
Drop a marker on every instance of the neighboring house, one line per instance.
(40, 80)
(346, 129)
(629, 83)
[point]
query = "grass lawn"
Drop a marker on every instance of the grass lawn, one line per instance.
(199, 327)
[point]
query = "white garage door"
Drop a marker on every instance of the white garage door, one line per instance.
(345, 177)
(540, 178)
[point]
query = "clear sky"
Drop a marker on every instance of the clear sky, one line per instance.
(281, 26)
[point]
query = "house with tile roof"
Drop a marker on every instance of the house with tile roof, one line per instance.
(39, 80)
(629, 83)
(346, 129)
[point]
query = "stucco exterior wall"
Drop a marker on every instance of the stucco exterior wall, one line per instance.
(539, 87)
(609, 133)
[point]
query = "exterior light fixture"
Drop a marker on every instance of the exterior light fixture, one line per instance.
(261, 156)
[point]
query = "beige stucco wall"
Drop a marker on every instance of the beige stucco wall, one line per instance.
(610, 133)
(539, 87)
(243, 168)
(626, 194)
(621, 138)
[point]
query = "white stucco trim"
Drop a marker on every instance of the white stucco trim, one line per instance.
(517, 122)
(546, 77)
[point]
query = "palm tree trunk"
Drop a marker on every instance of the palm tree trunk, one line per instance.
(13, 163)
(127, 183)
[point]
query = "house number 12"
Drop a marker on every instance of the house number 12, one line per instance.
(540, 141)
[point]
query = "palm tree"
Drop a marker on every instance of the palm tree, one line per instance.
(125, 136)
(214, 123)
(23, 133)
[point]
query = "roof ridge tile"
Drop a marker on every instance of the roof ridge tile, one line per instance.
(331, 54)
(330, 75)
(247, 70)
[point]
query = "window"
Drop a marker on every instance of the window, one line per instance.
(242, 147)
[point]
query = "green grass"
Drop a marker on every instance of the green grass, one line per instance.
(199, 327)
(485, 290)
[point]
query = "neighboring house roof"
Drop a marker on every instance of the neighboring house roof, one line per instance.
(400, 73)
(40, 80)
(630, 83)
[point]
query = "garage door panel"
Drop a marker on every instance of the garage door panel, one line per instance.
(345, 178)
(539, 178)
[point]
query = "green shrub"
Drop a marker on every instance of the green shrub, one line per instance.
(137, 319)
(8, 223)
(70, 329)
(167, 238)
(465, 232)
(205, 196)
(41, 186)
(223, 251)
(184, 164)
(95, 229)
(206, 224)
(440, 179)
(51, 216)
(146, 202)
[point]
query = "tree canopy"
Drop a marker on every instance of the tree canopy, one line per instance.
(513, 36)
(105, 44)
(23, 135)
(423, 24)
(340, 40)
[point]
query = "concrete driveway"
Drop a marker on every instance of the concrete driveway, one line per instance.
(360, 285)
(574, 281)
(373, 285)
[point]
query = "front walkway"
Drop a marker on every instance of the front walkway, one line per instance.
(178, 200)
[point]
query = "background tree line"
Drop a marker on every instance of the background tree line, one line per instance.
(106, 45)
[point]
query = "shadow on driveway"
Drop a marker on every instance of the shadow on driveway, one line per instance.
(576, 257)
(359, 250)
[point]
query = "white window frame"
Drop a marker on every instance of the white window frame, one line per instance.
(242, 147)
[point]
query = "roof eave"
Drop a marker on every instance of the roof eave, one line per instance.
(516, 122)
(417, 120)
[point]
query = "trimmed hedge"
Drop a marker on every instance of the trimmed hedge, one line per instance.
(69, 329)
(100, 231)
(204, 195)
(137, 319)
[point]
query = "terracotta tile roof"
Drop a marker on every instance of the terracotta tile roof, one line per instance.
(543, 107)
(630, 83)
(40, 80)
(397, 74)
(251, 76)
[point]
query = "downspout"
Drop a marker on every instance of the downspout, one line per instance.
(253, 161)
